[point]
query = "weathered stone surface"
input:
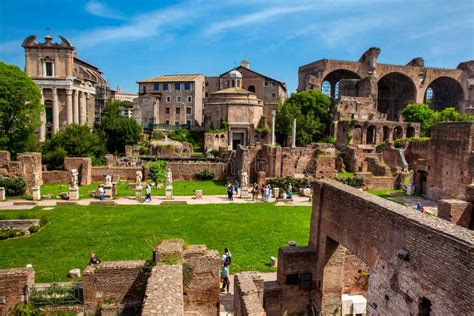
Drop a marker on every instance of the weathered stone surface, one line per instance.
(12, 287)
(456, 211)
(248, 294)
(168, 249)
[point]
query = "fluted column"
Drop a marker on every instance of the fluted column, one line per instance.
(69, 106)
(55, 111)
(42, 131)
(76, 107)
(83, 110)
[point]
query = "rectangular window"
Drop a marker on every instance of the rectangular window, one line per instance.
(49, 69)
(168, 99)
(267, 83)
(207, 94)
(188, 110)
(167, 122)
(274, 95)
(167, 110)
(190, 99)
(187, 86)
(144, 89)
(177, 86)
(207, 84)
(156, 87)
(273, 84)
(178, 99)
(165, 87)
(178, 111)
(188, 122)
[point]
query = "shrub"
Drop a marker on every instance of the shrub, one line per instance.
(328, 139)
(354, 181)
(205, 175)
(215, 152)
(13, 186)
(158, 170)
(401, 142)
(157, 134)
(33, 229)
(26, 310)
(283, 182)
(43, 220)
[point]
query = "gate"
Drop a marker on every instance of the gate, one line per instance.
(57, 294)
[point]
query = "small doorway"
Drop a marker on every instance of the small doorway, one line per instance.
(237, 139)
(421, 187)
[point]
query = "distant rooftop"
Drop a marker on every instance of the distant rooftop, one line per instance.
(172, 78)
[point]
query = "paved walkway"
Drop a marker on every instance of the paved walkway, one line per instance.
(208, 199)
(430, 206)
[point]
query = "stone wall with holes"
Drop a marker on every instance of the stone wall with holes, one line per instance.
(216, 140)
(416, 262)
(14, 284)
(23, 167)
(447, 160)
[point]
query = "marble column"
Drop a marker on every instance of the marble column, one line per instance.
(42, 131)
(273, 127)
(83, 108)
(76, 107)
(55, 111)
(69, 106)
(293, 135)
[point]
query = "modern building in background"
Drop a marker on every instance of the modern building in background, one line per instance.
(170, 100)
(73, 90)
(120, 95)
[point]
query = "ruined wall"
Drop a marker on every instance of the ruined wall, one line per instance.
(248, 294)
(456, 211)
(125, 173)
(26, 164)
(187, 170)
(56, 176)
(13, 286)
(83, 166)
(401, 247)
(118, 282)
(216, 140)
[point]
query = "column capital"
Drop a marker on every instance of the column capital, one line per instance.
(55, 90)
(68, 91)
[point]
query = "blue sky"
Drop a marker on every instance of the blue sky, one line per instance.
(132, 40)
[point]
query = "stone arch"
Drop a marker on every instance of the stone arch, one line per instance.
(337, 75)
(395, 90)
(386, 133)
(251, 88)
(410, 132)
(371, 137)
(357, 134)
(397, 132)
(445, 92)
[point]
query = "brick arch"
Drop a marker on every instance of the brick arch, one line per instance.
(333, 76)
(447, 92)
(394, 91)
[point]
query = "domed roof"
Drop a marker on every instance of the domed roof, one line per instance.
(234, 74)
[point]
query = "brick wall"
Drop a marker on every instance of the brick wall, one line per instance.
(456, 211)
(56, 176)
(83, 166)
(401, 247)
(248, 294)
(12, 287)
(188, 170)
(126, 173)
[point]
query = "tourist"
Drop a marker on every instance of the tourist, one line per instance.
(148, 193)
(226, 257)
(230, 192)
(266, 193)
(93, 259)
(101, 192)
(225, 278)
(255, 191)
(237, 186)
(419, 207)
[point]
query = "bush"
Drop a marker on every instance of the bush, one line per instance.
(354, 181)
(157, 134)
(401, 142)
(33, 229)
(215, 152)
(13, 186)
(205, 175)
(328, 140)
(158, 170)
(43, 221)
(283, 182)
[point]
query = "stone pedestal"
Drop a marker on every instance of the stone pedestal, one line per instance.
(276, 192)
(73, 194)
(138, 193)
(410, 189)
(198, 194)
(114, 188)
(169, 194)
(108, 191)
(244, 193)
(2, 194)
(36, 194)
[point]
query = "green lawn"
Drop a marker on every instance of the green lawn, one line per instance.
(252, 232)
(180, 188)
(386, 193)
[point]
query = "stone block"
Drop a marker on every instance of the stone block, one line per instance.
(276, 192)
(456, 211)
(74, 273)
(36, 194)
(108, 191)
(138, 193)
(198, 194)
(168, 248)
(73, 194)
(244, 193)
(169, 194)
(2, 194)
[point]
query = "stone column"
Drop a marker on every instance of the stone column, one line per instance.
(273, 127)
(42, 131)
(76, 106)
(55, 111)
(69, 106)
(293, 135)
(83, 110)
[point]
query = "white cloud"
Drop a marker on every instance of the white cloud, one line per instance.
(252, 18)
(99, 9)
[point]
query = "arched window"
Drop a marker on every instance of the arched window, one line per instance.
(429, 95)
(326, 88)
(336, 91)
(251, 89)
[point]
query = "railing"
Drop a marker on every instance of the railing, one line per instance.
(57, 294)
(167, 127)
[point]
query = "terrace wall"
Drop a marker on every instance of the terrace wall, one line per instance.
(13, 286)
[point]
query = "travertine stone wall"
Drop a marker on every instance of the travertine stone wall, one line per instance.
(248, 294)
(14, 284)
(164, 292)
(401, 247)
(120, 282)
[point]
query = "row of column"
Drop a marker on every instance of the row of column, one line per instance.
(76, 109)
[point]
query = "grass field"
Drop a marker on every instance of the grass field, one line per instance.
(180, 188)
(386, 193)
(252, 232)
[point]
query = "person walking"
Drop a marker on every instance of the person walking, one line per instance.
(148, 193)
(230, 192)
(255, 191)
(101, 192)
(225, 278)
(226, 257)
(237, 186)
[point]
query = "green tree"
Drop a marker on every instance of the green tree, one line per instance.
(20, 108)
(117, 129)
(313, 117)
(423, 114)
(74, 141)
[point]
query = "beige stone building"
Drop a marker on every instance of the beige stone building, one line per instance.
(170, 100)
(269, 90)
(73, 90)
(120, 95)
